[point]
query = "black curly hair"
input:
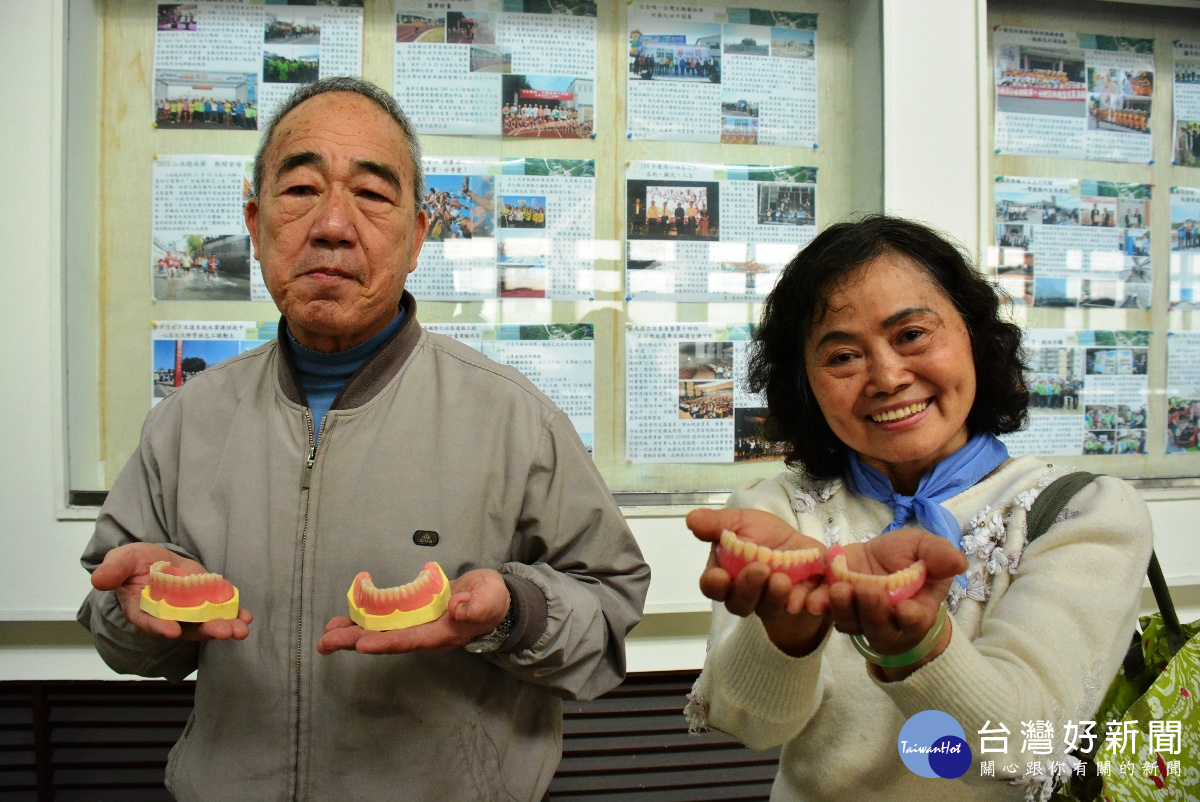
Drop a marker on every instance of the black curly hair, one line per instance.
(800, 300)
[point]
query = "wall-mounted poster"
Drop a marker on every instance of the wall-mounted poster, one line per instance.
(1187, 104)
(181, 349)
(199, 248)
(1073, 95)
(223, 66)
(1183, 392)
(740, 75)
(1087, 393)
(524, 68)
(685, 397)
(1185, 249)
(559, 358)
(705, 232)
(1065, 242)
(521, 228)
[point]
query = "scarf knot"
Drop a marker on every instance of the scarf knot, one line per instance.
(982, 454)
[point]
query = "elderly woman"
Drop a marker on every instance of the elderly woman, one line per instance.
(888, 372)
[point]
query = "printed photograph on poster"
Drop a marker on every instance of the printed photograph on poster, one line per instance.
(471, 28)
(1073, 95)
(1088, 393)
(1072, 243)
(490, 59)
(226, 64)
(713, 232)
(1187, 104)
(685, 399)
(673, 209)
(786, 204)
(547, 107)
(1119, 100)
(291, 64)
(459, 207)
(177, 16)
(479, 68)
(705, 361)
(427, 27)
(705, 400)
(183, 349)
(749, 444)
(677, 51)
(736, 75)
(295, 25)
(558, 358)
(205, 100)
(510, 229)
(196, 267)
(1185, 249)
(199, 246)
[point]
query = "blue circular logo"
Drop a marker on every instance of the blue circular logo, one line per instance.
(932, 744)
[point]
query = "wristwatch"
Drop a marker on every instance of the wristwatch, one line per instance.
(494, 639)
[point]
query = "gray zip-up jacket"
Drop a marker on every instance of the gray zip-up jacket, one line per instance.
(428, 436)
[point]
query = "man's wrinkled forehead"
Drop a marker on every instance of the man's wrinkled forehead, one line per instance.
(287, 149)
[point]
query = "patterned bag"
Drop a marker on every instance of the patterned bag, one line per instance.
(1165, 717)
(1148, 726)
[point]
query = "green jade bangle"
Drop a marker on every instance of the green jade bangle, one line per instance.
(913, 655)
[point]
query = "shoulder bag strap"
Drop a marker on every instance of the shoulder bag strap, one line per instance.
(1051, 501)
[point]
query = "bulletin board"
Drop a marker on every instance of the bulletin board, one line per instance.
(1085, 115)
(794, 170)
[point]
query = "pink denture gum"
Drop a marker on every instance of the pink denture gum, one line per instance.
(419, 602)
(734, 554)
(898, 586)
(175, 596)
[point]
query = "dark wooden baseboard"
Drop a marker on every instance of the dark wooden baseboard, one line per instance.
(108, 742)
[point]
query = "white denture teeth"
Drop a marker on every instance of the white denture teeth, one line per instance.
(158, 574)
(393, 595)
(776, 558)
(898, 586)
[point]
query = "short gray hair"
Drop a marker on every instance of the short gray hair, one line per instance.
(359, 87)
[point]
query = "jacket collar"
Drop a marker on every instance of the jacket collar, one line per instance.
(370, 379)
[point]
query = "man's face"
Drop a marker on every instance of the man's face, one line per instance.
(334, 226)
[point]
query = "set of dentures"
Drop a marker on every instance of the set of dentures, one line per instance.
(196, 598)
(734, 554)
(419, 602)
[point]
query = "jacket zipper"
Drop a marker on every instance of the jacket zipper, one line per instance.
(305, 482)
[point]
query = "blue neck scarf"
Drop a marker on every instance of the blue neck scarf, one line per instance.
(982, 454)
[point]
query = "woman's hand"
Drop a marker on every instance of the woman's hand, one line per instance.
(863, 608)
(780, 604)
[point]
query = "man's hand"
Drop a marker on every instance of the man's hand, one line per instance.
(865, 610)
(783, 606)
(126, 569)
(478, 603)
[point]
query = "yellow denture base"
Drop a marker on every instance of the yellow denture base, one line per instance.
(207, 611)
(402, 619)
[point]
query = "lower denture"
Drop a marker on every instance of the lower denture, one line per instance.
(898, 585)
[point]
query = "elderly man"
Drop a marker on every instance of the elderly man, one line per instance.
(360, 442)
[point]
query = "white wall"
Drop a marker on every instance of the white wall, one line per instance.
(932, 173)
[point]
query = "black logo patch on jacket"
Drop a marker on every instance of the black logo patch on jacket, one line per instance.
(425, 537)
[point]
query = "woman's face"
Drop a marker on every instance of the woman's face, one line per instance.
(891, 366)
